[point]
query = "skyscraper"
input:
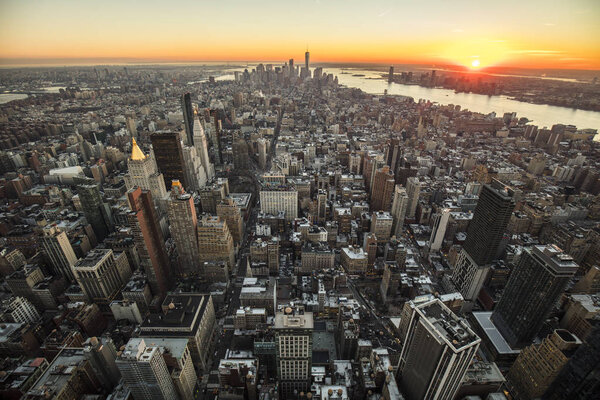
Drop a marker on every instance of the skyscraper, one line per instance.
(201, 145)
(145, 372)
(262, 153)
(240, 154)
(143, 172)
(534, 287)
(230, 212)
(437, 351)
(188, 117)
(490, 219)
(399, 205)
(99, 277)
(391, 75)
(440, 223)
(538, 364)
(169, 156)
(382, 190)
(59, 251)
(193, 168)
(96, 212)
(306, 60)
(149, 241)
(102, 356)
(215, 242)
(182, 224)
(293, 344)
(413, 190)
(580, 378)
(486, 229)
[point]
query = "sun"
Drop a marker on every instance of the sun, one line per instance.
(475, 63)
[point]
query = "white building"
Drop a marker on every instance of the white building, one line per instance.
(272, 201)
(19, 309)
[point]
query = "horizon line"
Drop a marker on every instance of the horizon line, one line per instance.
(17, 62)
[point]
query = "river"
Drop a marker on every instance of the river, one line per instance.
(540, 114)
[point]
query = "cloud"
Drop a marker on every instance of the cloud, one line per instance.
(384, 13)
(549, 24)
(538, 52)
(457, 30)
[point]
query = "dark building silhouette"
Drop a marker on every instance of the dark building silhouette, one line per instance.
(534, 287)
(169, 156)
(149, 240)
(188, 118)
(580, 378)
(95, 210)
(490, 219)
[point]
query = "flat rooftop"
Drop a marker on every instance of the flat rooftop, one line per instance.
(452, 329)
(483, 319)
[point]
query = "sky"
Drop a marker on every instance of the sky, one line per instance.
(516, 33)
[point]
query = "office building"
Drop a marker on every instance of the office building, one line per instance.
(19, 309)
(413, 190)
(230, 212)
(307, 60)
(145, 371)
(212, 194)
(262, 153)
(490, 219)
(96, 212)
(273, 200)
(354, 260)
(259, 293)
(437, 350)
(579, 378)
(201, 145)
(185, 315)
(215, 242)
(537, 365)
(102, 355)
(382, 189)
(182, 224)
(381, 226)
(535, 285)
(188, 117)
(293, 340)
(485, 231)
(193, 168)
(440, 223)
(240, 154)
(142, 172)
(99, 277)
(59, 251)
(399, 206)
(169, 156)
(70, 377)
(148, 237)
(468, 277)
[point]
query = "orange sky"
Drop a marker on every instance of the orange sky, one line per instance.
(533, 33)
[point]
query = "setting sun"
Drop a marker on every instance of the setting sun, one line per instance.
(475, 63)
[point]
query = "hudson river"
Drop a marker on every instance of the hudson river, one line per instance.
(540, 114)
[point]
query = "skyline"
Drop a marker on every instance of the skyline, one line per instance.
(530, 35)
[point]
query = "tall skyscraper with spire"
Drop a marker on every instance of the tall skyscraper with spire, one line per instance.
(143, 172)
(306, 59)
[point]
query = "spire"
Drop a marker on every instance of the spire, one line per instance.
(136, 152)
